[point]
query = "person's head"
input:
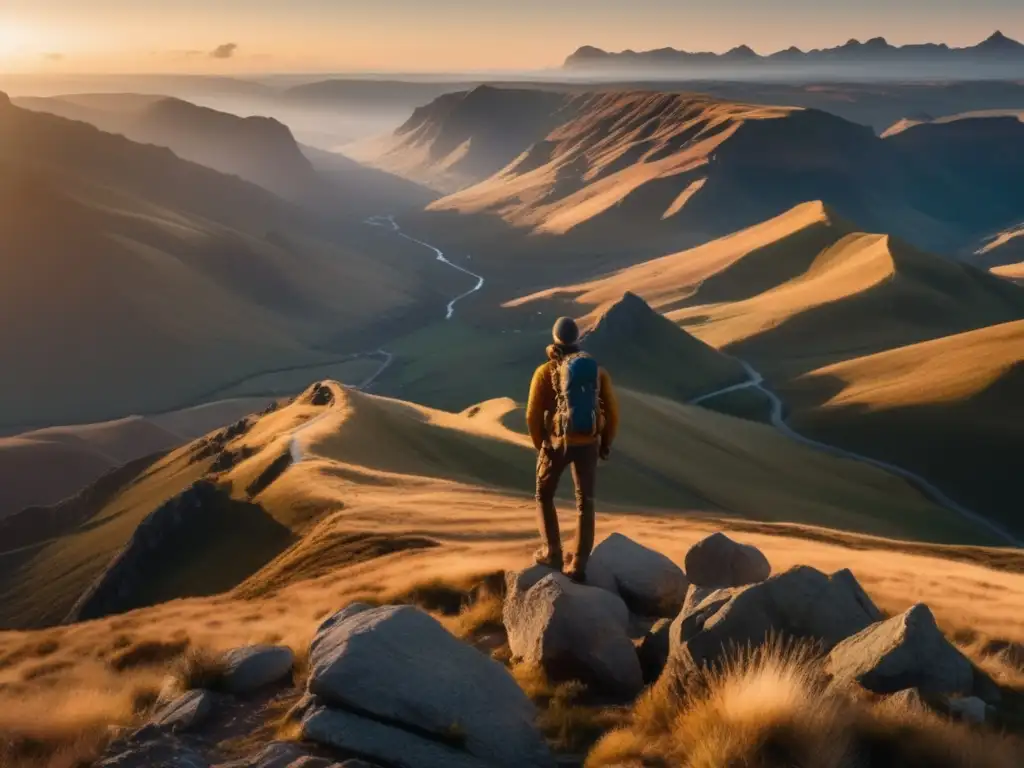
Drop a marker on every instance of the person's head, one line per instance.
(565, 332)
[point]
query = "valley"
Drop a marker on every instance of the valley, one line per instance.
(267, 343)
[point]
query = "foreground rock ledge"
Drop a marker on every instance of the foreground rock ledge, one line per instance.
(392, 677)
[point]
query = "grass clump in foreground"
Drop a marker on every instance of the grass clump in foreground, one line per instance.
(772, 708)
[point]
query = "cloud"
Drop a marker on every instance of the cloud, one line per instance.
(225, 51)
(53, 56)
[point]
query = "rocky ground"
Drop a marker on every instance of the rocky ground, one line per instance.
(569, 665)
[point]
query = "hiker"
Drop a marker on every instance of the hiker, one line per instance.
(573, 417)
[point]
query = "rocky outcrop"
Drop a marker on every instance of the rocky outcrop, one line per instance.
(391, 684)
(119, 586)
(248, 669)
(283, 754)
(650, 583)
(718, 561)
(906, 651)
(801, 603)
(572, 631)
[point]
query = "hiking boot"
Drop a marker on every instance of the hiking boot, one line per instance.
(542, 557)
(578, 575)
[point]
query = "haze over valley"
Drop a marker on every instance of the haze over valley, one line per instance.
(271, 300)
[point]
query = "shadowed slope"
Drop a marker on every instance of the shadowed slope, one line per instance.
(190, 278)
(949, 408)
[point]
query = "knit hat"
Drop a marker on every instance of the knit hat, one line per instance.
(565, 331)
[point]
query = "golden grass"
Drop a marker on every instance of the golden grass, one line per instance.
(773, 707)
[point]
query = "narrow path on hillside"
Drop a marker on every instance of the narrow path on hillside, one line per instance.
(295, 447)
(390, 223)
(756, 381)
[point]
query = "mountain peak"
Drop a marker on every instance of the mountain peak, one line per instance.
(998, 41)
(628, 315)
(742, 52)
(5, 100)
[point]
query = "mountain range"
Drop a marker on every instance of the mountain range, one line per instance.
(994, 49)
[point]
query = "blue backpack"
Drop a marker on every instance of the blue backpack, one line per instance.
(578, 394)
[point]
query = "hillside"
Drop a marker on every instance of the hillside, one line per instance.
(45, 466)
(462, 138)
(803, 289)
(261, 150)
(650, 167)
(160, 267)
(950, 408)
(276, 480)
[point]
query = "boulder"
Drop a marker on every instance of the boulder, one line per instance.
(906, 651)
(393, 746)
(572, 631)
(188, 711)
(398, 666)
(718, 561)
(253, 667)
(650, 583)
(653, 650)
(801, 603)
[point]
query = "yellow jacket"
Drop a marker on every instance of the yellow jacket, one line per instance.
(542, 404)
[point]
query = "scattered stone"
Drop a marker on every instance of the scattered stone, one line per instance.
(650, 583)
(321, 396)
(653, 650)
(801, 603)
(906, 651)
(146, 749)
(718, 561)
(394, 746)
(248, 669)
(411, 681)
(188, 711)
(572, 631)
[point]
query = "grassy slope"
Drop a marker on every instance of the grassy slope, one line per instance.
(144, 236)
(950, 408)
(669, 456)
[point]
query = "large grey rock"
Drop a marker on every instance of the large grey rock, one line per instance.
(970, 709)
(393, 746)
(801, 603)
(571, 630)
(188, 711)
(718, 561)
(906, 651)
(695, 596)
(396, 664)
(248, 669)
(650, 583)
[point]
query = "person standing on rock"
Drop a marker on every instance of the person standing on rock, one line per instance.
(573, 417)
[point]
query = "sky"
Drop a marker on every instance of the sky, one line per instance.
(250, 36)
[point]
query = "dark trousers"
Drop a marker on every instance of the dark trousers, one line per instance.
(551, 464)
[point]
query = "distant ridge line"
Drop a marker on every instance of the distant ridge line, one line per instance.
(997, 48)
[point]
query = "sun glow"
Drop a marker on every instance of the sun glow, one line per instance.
(15, 38)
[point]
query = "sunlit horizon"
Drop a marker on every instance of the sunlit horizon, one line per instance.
(259, 36)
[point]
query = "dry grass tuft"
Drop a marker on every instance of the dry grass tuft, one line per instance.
(570, 720)
(199, 668)
(147, 653)
(772, 707)
(67, 731)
